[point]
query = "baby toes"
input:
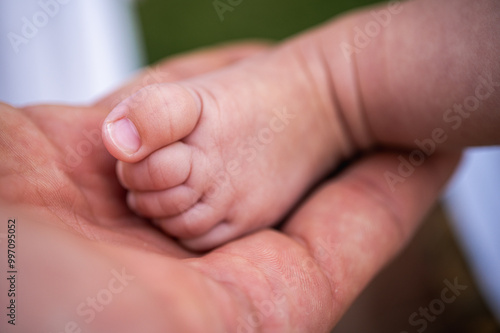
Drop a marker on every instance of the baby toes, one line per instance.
(163, 169)
(162, 204)
(193, 222)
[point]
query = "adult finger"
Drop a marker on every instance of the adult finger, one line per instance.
(355, 224)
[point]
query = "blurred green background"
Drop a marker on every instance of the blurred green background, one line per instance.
(173, 26)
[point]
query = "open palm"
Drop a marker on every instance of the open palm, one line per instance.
(298, 279)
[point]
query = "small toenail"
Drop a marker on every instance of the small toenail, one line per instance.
(124, 135)
(131, 201)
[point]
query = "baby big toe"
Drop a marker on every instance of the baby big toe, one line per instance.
(153, 117)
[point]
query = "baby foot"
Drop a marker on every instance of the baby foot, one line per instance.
(217, 156)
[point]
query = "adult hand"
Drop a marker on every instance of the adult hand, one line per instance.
(94, 266)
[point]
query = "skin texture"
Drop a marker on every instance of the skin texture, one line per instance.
(301, 279)
(215, 160)
(75, 229)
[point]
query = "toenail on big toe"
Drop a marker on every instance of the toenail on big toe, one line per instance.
(124, 135)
